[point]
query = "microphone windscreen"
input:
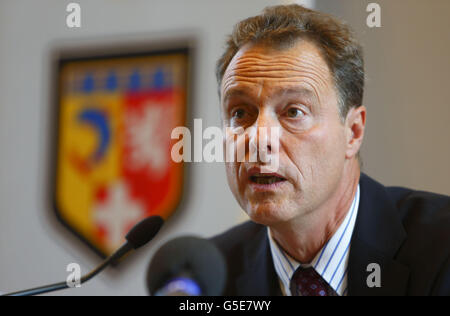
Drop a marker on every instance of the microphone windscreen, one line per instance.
(144, 231)
(196, 257)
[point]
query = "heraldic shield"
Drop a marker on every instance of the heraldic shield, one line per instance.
(113, 164)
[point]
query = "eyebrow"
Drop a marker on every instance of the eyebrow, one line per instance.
(235, 92)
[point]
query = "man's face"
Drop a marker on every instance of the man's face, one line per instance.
(291, 89)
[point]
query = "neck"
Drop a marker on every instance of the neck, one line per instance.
(303, 237)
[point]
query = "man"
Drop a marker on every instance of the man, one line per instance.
(319, 227)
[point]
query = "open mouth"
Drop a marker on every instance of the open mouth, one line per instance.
(266, 179)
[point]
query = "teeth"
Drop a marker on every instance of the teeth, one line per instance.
(266, 180)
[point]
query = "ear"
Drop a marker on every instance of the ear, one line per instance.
(355, 124)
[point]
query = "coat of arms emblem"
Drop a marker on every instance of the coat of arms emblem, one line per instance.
(115, 117)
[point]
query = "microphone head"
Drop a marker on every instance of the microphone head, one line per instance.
(195, 257)
(144, 231)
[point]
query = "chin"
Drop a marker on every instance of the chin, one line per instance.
(267, 214)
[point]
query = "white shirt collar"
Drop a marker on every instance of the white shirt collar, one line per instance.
(332, 260)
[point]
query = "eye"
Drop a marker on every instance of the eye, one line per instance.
(294, 112)
(238, 114)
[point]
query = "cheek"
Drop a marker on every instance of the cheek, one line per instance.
(317, 150)
(328, 142)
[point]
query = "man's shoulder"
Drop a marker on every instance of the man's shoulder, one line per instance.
(426, 219)
(234, 238)
(422, 211)
(409, 197)
(418, 210)
(249, 264)
(237, 245)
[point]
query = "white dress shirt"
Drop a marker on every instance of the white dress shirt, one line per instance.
(331, 262)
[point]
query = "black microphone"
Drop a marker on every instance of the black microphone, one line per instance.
(138, 236)
(187, 266)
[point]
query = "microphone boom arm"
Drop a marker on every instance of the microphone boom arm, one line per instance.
(138, 236)
(63, 285)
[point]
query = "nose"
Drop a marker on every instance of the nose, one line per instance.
(265, 138)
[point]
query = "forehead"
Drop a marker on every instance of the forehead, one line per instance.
(263, 68)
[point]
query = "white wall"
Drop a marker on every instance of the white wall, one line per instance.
(34, 249)
(407, 93)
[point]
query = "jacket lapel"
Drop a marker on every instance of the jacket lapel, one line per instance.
(376, 239)
(259, 277)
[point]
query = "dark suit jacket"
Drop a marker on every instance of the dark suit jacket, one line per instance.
(406, 232)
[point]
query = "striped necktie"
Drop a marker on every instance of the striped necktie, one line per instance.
(307, 282)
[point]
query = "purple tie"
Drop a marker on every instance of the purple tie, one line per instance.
(307, 282)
